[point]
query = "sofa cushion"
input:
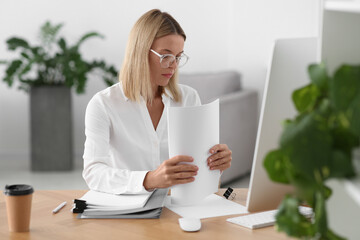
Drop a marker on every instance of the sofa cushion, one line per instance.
(212, 85)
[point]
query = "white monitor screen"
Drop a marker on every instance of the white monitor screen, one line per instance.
(287, 72)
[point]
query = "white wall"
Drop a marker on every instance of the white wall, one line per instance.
(258, 23)
(222, 35)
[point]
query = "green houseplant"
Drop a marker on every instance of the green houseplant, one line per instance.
(48, 71)
(53, 62)
(315, 146)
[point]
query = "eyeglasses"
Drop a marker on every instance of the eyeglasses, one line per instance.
(166, 60)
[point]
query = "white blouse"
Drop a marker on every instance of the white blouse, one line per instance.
(121, 143)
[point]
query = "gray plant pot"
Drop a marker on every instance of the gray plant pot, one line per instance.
(51, 128)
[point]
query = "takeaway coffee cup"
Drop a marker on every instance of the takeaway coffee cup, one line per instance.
(18, 199)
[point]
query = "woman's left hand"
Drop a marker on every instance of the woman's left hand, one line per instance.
(221, 157)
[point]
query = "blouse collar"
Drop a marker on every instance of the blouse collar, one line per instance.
(166, 96)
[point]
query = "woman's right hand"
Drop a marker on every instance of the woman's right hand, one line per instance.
(170, 173)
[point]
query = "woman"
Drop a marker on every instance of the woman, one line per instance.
(126, 148)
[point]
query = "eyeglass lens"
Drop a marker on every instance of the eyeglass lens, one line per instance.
(168, 60)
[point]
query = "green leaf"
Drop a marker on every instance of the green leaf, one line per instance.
(24, 87)
(81, 84)
(26, 69)
(345, 87)
(14, 43)
(289, 219)
(353, 114)
(327, 191)
(113, 71)
(324, 107)
(62, 44)
(109, 73)
(318, 75)
(320, 214)
(27, 81)
(330, 235)
(11, 70)
(24, 54)
(36, 50)
(345, 96)
(48, 33)
(344, 139)
(98, 64)
(307, 143)
(305, 97)
(341, 165)
(109, 82)
(13, 67)
(275, 164)
(57, 28)
(39, 54)
(304, 186)
(87, 36)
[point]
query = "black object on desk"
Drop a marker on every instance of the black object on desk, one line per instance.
(229, 193)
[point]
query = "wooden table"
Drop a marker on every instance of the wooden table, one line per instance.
(64, 225)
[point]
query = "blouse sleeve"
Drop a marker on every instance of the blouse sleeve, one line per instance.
(98, 172)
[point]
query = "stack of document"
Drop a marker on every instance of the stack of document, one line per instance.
(103, 205)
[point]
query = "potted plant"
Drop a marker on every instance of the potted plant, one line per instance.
(315, 146)
(48, 71)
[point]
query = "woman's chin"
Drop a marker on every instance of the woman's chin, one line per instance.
(163, 83)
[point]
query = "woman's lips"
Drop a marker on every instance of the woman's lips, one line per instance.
(167, 75)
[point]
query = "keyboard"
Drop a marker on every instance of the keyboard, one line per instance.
(263, 219)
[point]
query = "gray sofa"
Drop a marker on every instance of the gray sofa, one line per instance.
(238, 115)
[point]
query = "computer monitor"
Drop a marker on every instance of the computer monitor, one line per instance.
(287, 72)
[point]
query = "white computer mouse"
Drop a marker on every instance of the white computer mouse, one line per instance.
(190, 224)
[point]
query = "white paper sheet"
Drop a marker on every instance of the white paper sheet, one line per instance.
(211, 206)
(193, 131)
(100, 200)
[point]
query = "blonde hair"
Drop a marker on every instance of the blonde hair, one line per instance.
(135, 71)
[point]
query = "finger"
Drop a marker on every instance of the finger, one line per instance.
(184, 168)
(218, 147)
(219, 162)
(184, 175)
(183, 181)
(219, 155)
(180, 158)
(221, 167)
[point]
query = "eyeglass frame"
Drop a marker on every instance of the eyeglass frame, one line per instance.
(177, 59)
